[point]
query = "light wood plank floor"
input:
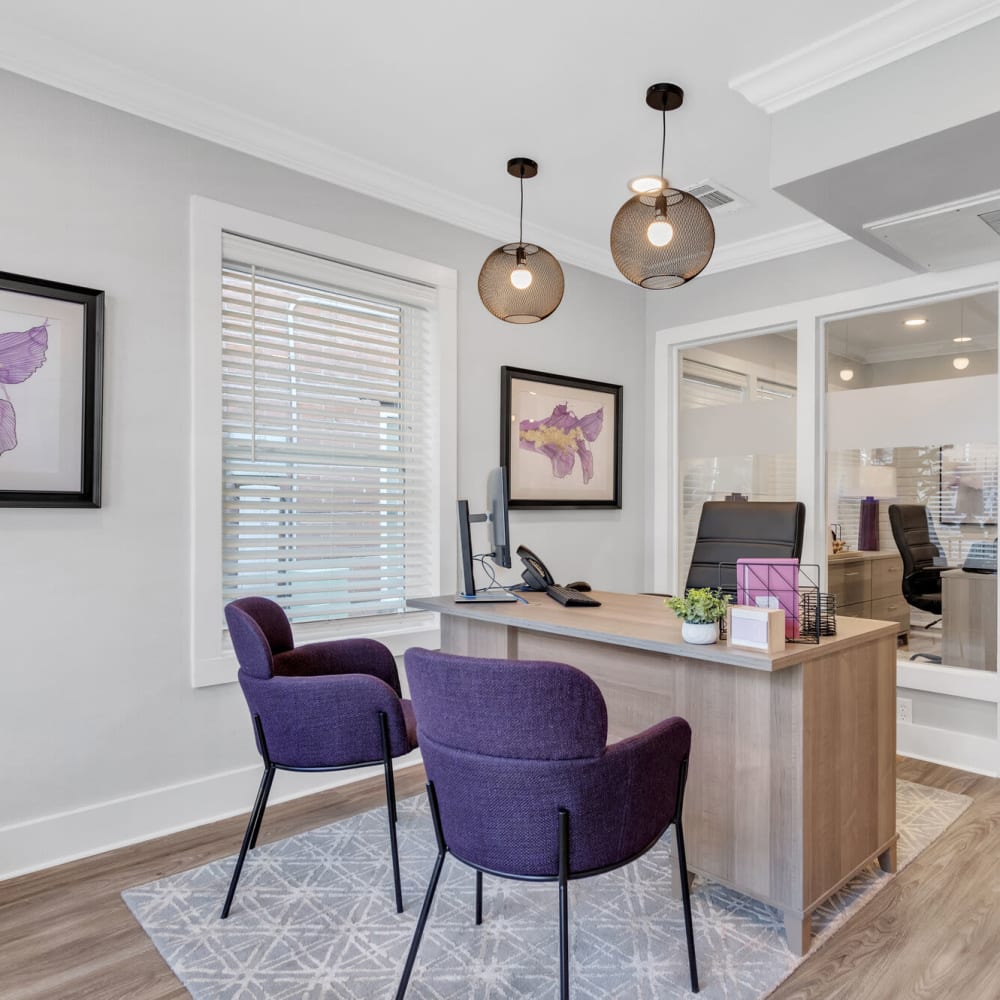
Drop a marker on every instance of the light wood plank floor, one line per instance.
(65, 933)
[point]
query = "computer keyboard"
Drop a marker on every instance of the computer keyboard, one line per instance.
(571, 598)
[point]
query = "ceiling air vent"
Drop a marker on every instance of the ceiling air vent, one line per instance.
(992, 219)
(716, 198)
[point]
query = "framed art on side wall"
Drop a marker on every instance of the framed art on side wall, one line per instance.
(51, 360)
(561, 440)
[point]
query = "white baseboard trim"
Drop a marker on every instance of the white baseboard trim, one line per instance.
(943, 746)
(106, 826)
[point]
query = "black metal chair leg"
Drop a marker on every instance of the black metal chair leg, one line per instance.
(479, 897)
(258, 818)
(250, 836)
(421, 921)
(563, 905)
(390, 802)
(686, 899)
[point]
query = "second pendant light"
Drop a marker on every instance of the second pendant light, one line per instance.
(662, 237)
(521, 282)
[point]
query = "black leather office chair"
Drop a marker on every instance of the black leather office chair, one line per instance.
(918, 545)
(731, 530)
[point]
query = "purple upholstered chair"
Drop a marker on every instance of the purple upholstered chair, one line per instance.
(325, 706)
(522, 783)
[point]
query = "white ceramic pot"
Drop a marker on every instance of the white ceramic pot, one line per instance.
(700, 633)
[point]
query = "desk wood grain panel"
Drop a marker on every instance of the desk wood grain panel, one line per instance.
(969, 619)
(489, 640)
(849, 748)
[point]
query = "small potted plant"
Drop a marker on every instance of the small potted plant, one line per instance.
(701, 610)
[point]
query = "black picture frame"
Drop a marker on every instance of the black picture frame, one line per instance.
(72, 345)
(557, 477)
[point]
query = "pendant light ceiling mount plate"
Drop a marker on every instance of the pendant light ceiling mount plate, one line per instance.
(664, 97)
(521, 166)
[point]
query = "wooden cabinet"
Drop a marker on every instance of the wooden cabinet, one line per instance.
(869, 585)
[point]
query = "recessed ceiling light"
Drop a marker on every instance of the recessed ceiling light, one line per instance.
(846, 374)
(915, 321)
(961, 340)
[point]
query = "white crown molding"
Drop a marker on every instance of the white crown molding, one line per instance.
(97, 79)
(876, 41)
(781, 243)
(71, 69)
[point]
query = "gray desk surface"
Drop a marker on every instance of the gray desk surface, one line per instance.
(642, 622)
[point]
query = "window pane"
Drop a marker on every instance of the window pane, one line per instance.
(911, 417)
(737, 426)
(325, 477)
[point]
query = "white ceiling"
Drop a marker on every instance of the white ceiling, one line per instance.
(883, 336)
(428, 100)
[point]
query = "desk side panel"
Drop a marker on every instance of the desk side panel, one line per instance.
(849, 768)
(466, 637)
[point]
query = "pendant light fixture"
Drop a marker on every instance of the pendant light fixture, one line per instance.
(662, 237)
(847, 372)
(521, 282)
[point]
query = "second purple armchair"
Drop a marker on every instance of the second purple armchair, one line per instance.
(325, 706)
(522, 783)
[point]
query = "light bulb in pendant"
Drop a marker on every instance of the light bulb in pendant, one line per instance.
(520, 277)
(659, 232)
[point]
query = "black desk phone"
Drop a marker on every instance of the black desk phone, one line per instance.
(536, 575)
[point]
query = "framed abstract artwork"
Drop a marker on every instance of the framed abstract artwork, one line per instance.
(51, 361)
(561, 440)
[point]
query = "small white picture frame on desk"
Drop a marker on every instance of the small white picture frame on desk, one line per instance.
(762, 629)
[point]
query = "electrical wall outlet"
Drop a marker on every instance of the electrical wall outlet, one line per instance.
(904, 710)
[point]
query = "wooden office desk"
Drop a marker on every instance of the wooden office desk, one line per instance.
(969, 619)
(791, 787)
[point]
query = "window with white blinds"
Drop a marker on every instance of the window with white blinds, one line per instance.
(328, 403)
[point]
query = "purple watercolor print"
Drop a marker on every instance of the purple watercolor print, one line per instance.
(22, 353)
(563, 437)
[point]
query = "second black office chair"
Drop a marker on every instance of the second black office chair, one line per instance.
(922, 556)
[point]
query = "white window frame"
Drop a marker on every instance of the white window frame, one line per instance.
(212, 658)
(974, 753)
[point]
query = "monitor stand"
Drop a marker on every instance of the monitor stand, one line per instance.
(486, 597)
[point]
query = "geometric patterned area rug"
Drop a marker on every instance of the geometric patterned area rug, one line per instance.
(314, 919)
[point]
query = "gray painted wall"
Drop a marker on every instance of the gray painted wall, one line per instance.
(95, 602)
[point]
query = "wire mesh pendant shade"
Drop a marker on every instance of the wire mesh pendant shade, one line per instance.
(521, 305)
(684, 257)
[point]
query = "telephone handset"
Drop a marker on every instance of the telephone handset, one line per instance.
(536, 575)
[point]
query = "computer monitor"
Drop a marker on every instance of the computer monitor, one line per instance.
(465, 545)
(499, 532)
(496, 502)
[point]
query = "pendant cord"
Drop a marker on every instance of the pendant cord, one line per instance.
(520, 218)
(663, 143)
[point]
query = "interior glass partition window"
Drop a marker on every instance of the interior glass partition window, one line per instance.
(736, 426)
(911, 425)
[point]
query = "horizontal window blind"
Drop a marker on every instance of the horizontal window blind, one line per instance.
(711, 477)
(327, 402)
